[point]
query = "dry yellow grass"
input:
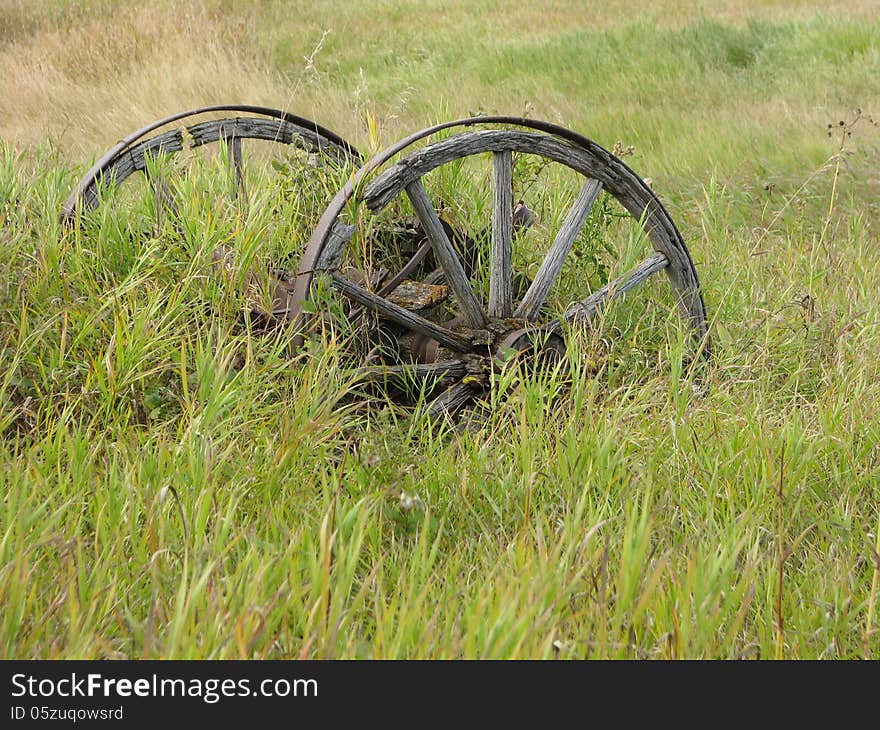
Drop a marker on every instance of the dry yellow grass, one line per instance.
(85, 73)
(85, 85)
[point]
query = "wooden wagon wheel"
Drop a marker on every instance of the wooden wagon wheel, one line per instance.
(195, 129)
(136, 179)
(481, 328)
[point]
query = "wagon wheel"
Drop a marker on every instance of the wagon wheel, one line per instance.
(492, 311)
(137, 178)
(195, 129)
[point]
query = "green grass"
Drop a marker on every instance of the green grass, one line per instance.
(175, 485)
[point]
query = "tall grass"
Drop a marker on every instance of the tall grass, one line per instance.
(175, 485)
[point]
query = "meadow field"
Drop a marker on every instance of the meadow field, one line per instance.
(176, 485)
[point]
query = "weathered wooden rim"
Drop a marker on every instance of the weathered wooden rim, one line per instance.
(107, 159)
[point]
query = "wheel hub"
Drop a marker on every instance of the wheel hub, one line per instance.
(502, 341)
(538, 344)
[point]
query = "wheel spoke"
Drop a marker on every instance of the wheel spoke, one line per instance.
(585, 310)
(552, 264)
(429, 373)
(501, 271)
(470, 306)
(399, 277)
(452, 399)
(233, 154)
(162, 196)
(408, 268)
(401, 316)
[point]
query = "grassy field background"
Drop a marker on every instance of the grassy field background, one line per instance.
(174, 487)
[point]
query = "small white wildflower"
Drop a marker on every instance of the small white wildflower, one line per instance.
(408, 502)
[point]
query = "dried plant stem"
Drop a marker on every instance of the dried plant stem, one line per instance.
(875, 581)
(780, 626)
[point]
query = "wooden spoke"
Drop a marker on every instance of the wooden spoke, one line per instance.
(408, 269)
(163, 198)
(402, 316)
(399, 277)
(501, 266)
(442, 371)
(233, 153)
(531, 304)
(451, 400)
(501, 258)
(470, 307)
(588, 308)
